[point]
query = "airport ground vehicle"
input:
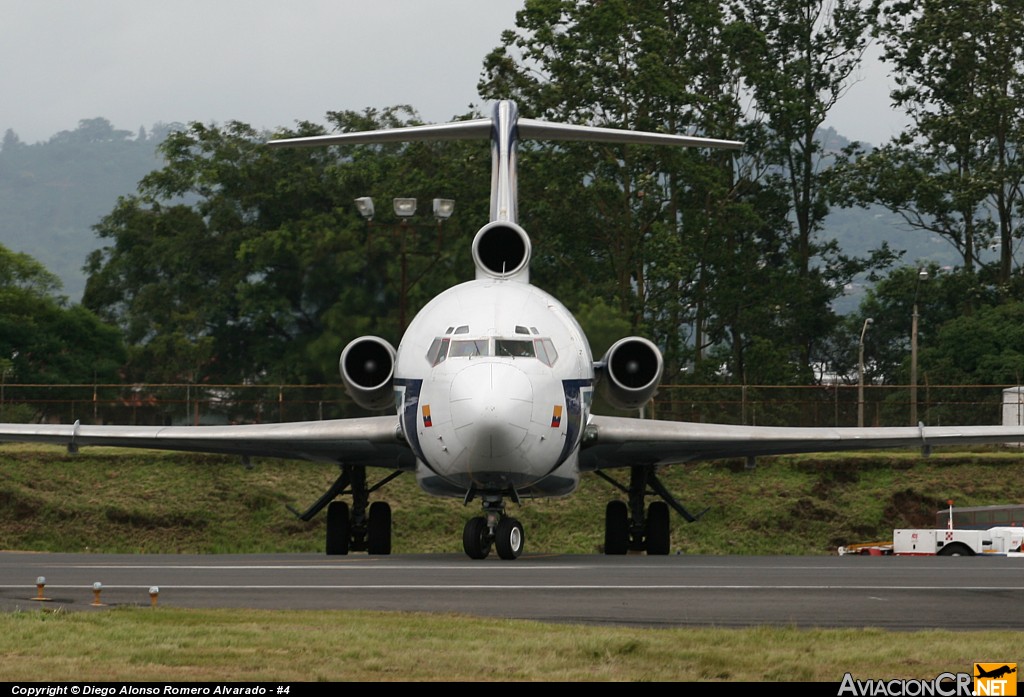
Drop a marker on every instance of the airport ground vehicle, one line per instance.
(923, 542)
(953, 543)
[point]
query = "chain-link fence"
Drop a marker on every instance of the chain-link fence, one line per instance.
(181, 404)
(830, 405)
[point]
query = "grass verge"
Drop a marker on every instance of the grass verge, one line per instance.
(108, 500)
(167, 644)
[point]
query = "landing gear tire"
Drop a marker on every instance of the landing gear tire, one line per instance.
(956, 549)
(616, 528)
(339, 528)
(378, 529)
(474, 538)
(659, 534)
(508, 538)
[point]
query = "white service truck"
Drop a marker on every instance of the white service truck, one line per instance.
(1005, 541)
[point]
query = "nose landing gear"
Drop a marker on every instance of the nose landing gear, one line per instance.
(493, 528)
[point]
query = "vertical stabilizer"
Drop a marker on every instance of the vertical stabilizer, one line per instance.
(504, 137)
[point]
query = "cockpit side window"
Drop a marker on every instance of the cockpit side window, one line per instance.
(438, 350)
(546, 351)
(542, 353)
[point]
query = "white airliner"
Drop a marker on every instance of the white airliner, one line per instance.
(492, 387)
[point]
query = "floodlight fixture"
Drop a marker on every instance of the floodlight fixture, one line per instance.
(443, 208)
(364, 205)
(404, 207)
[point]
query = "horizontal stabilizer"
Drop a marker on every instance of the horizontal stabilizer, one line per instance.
(456, 130)
(546, 130)
(528, 129)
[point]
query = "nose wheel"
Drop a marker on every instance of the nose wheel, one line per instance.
(480, 533)
(508, 538)
(476, 539)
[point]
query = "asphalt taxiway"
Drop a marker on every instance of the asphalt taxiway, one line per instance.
(727, 591)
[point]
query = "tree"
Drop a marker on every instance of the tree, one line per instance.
(956, 171)
(799, 58)
(941, 298)
(985, 348)
(45, 342)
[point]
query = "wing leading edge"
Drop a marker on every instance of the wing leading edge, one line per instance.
(621, 442)
(373, 441)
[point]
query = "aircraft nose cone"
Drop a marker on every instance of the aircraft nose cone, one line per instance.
(491, 406)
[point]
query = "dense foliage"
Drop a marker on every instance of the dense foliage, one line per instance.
(240, 263)
(43, 340)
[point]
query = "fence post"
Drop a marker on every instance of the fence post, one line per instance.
(743, 405)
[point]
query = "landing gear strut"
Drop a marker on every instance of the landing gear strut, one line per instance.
(363, 527)
(627, 528)
(493, 528)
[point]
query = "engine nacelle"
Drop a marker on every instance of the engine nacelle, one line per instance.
(368, 369)
(502, 250)
(630, 372)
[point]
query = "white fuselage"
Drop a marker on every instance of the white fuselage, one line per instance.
(493, 384)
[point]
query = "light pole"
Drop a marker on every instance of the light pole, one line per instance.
(860, 374)
(922, 275)
(404, 209)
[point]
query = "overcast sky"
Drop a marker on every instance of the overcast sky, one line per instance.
(270, 64)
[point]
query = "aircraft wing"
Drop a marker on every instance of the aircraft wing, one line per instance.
(373, 441)
(620, 442)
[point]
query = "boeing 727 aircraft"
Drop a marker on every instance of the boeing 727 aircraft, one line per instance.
(492, 386)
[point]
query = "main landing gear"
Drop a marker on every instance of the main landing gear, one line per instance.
(626, 528)
(361, 527)
(493, 527)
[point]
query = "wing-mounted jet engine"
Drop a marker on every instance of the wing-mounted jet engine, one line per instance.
(367, 366)
(629, 373)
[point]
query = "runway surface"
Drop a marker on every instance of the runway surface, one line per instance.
(732, 591)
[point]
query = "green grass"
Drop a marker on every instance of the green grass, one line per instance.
(204, 645)
(108, 500)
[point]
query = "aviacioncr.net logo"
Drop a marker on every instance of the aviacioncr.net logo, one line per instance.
(943, 685)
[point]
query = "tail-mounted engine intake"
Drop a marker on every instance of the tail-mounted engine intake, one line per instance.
(502, 250)
(630, 372)
(367, 368)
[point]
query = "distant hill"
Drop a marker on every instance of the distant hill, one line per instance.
(53, 192)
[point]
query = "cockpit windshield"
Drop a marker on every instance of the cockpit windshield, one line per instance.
(443, 348)
(517, 348)
(470, 347)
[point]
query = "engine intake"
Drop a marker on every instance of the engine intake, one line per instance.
(367, 367)
(502, 250)
(630, 372)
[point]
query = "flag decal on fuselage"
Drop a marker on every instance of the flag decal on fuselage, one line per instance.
(556, 416)
(426, 416)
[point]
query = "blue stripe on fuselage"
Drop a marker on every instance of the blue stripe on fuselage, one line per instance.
(410, 413)
(577, 405)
